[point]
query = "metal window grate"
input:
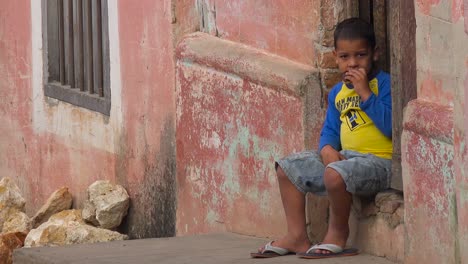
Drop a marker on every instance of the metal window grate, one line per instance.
(77, 52)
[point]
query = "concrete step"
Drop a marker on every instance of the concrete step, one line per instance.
(207, 249)
(376, 223)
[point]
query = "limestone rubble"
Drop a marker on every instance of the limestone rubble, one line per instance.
(66, 228)
(17, 222)
(107, 204)
(9, 242)
(58, 201)
(11, 200)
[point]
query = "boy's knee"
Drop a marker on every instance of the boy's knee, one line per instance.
(333, 180)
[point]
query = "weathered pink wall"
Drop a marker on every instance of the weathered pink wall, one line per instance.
(235, 116)
(231, 126)
(239, 109)
(283, 27)
(460, 141)
(147, 162)
(38, 162)
(434, 138)
(48, 144)
(40, 155)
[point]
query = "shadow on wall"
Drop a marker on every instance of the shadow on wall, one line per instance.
(153, 201)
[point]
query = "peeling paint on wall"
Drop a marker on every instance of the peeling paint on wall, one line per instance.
(229, 132)
(426, 5)
(457, 10)
(429, 200)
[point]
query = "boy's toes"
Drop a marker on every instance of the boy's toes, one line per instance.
(321, 251)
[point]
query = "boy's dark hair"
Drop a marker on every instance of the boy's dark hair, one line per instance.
(355, 28)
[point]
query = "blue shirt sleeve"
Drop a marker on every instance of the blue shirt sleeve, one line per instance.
(379, 108)
(330, 134)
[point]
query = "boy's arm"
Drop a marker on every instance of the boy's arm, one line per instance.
(379, 108)
(330, 134)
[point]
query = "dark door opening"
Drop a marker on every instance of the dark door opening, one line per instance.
(395, 27)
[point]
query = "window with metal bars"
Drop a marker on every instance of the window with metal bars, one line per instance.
(77, 53)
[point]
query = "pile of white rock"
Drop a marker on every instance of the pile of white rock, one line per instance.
(56, 224)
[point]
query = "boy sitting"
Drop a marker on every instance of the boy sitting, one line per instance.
(355, 149)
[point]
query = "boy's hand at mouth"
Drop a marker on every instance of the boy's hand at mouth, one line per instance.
(358, 77)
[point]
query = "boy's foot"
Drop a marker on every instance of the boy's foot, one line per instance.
(335, 251)
(289, 244)
(334, 237)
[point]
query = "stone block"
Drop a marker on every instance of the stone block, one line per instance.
(326, 39)
(397, 217)
(390, 206)
(388, 196)
(328, 17)
(326, 59)
(369, 210)
(330, 77)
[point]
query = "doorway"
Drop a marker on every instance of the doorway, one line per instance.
(395, 28)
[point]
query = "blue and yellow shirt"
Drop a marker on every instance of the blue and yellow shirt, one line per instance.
(365, 127)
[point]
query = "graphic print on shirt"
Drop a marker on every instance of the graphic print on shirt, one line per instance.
(349, 107)
(354, 119)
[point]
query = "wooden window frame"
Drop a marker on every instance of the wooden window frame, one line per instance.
(70, 73)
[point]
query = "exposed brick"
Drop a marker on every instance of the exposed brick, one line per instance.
(326, 60)
(330, 78)
(400, 212)
(391, 195)
(327, 14)
(397, 217)
(327, 38)
(390, 206)
(369, 210)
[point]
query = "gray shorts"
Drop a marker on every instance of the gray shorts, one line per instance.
(363, 174)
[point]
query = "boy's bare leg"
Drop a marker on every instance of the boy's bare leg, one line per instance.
(340, 206)
(296, 239)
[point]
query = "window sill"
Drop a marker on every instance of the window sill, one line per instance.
(76, 97)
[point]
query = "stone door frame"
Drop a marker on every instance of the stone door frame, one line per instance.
(395, 26)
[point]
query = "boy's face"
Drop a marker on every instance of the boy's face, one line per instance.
(354, 54)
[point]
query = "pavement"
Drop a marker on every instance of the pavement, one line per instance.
(206, 249)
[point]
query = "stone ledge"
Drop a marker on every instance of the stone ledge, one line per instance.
(429, 119)
(251, 64)
(377, 225)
